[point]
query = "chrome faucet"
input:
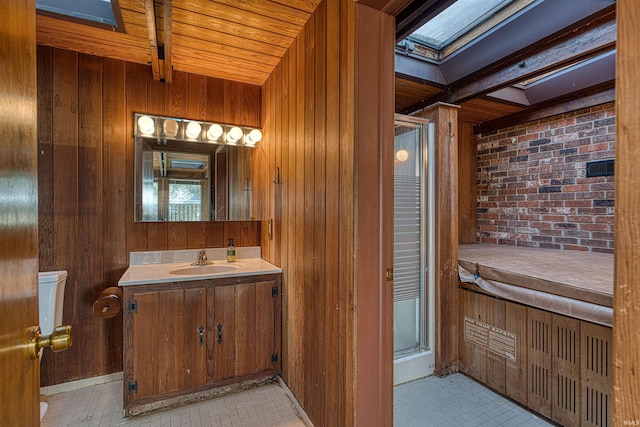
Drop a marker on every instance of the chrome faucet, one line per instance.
(202, 258)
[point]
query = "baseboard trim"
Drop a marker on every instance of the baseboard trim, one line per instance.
(294, 401)
(74, 385)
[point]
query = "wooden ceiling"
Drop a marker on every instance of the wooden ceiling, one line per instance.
(238, 40)
(243, 40)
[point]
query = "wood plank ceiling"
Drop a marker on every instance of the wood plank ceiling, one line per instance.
(243, 40)
(236, 40)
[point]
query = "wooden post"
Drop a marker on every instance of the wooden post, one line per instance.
(445, 118)
(626, 302)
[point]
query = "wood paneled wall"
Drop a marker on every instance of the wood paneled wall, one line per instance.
(329, 131)
(85, 177)
(626, 303)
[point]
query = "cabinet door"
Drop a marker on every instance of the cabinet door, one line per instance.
(166, 341)
(244, 329)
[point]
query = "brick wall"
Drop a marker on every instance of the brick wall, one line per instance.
(532, 184)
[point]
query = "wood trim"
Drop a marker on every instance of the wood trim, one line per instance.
(117, 14)
(626, 303)
(374, 213)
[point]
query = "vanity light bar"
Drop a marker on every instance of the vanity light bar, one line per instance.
(163, 128)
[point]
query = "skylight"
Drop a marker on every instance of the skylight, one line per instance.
(99, 11)
(456, 20)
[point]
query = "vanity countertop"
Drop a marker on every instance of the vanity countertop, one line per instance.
(140, 274)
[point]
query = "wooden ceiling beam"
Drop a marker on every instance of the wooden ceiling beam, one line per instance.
(594, 38)
(416, 69)
(168, 36)
(590, 43)
(161, 59)
(587, 74)
(150, 16)
(530, 30)
(553, 107)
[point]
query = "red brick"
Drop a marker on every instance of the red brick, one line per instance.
(512, 209)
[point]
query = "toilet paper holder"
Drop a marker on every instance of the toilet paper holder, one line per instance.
(109, 303)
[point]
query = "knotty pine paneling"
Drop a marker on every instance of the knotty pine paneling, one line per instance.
(85, 195)
(320, 214)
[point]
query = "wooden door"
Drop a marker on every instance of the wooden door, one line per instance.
(18, 214)
(245, 329)
(165, 341)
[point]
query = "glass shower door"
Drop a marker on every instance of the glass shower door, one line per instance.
(413, 353)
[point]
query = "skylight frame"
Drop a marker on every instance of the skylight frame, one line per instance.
(115, 23)
(478, 21)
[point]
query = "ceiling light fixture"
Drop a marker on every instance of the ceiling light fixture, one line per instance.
(175, 129)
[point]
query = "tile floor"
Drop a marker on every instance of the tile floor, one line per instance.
(101, 405)
(456, 400)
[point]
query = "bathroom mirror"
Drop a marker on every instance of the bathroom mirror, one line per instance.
(194, 181)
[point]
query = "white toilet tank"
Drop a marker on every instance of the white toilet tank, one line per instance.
(51, 297)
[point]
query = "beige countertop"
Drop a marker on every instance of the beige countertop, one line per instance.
(175, 271)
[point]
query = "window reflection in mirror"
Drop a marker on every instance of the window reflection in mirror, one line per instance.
(184, 181)
(175, 186)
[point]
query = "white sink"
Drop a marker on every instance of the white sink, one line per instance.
(198, 270)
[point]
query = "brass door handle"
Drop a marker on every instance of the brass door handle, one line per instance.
(60, 339)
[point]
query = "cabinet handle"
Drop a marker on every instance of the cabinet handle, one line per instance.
(219, 327)
(201, 330)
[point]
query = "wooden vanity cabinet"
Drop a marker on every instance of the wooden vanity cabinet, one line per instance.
(188, 338)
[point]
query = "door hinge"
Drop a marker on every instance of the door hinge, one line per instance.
(274, 358)
(132, 386)
(274, 292)
(132, 306)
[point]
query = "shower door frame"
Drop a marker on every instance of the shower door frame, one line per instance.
(421, 362)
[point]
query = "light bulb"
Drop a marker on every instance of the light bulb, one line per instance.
(402, 155)
(234, 134)
(146, 125)
(170, 128)
(193, 130)
(214, 132)
(254, 136)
